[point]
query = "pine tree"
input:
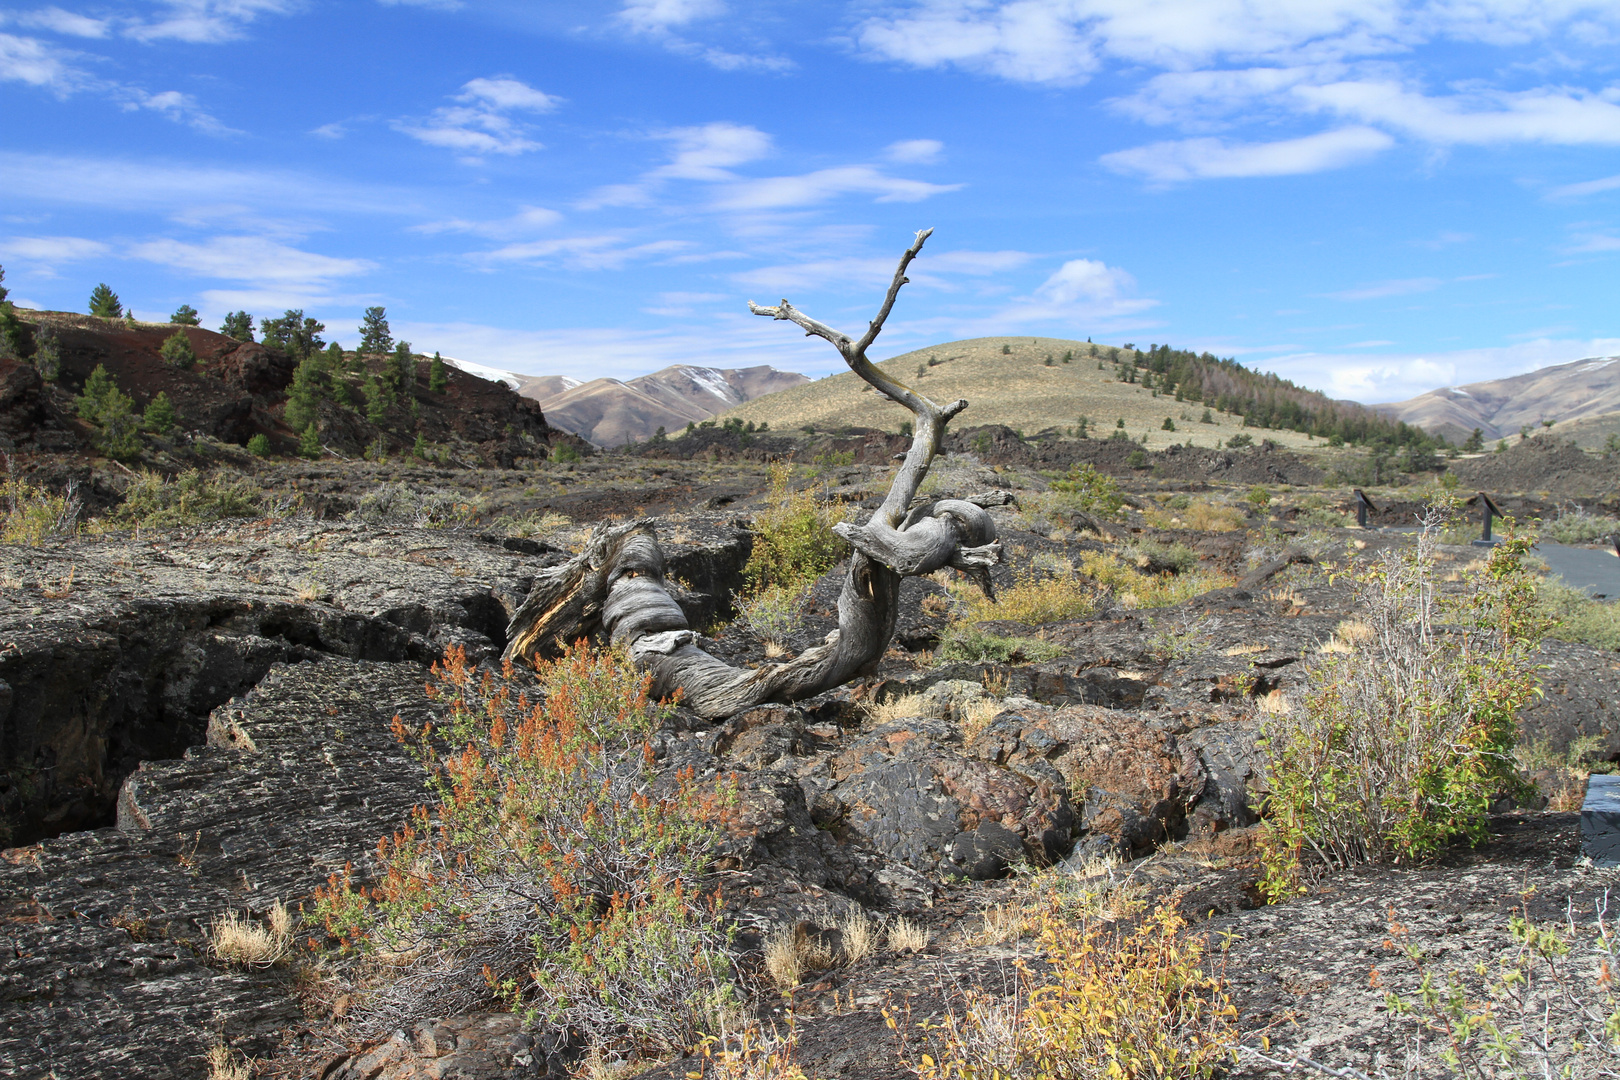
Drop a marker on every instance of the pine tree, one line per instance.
(404, 367)
(304, 396)
(438, 377)
(259, 445)
(374, 335)
(421, 449)
(1168, 425)
(238, 325)
(113, 412)
(104, 302)
(294, 333)
(378, 398)
(334, 358)
(47, 358)
(185, 315)
(176, 350)
(1476, 442)
(159, 416)
(309, 443)
(11, 331)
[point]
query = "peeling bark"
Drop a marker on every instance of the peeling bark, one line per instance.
(616, 585)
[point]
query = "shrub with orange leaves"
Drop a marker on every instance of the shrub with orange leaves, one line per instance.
(552, 871)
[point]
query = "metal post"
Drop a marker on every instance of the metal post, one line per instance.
(1490, 510)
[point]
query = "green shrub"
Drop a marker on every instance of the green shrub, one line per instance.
(159, 416)
(259, 445)
(112, 411)
(1577, 617)
(545, 874)
(1151, 555)
(1094, 492)
(1258, 497)
(564, 452)
(47, 358)
(176, 350)
(1579, 527)
(1401, 743)
(974, 646)
(1240, 441)
(191, 498)
(309, 443)
(32, 513)
(772, 611)
(793, 538)
(427, 508)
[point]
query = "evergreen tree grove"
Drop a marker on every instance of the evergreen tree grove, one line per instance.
(238, 325)
(159, 417)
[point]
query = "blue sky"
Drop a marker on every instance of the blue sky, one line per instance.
(1373, 197)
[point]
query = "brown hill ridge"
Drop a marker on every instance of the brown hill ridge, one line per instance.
(609, 412)
(1580, 391)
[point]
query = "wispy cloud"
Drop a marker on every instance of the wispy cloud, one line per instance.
(207, 22)
(780, 192)
(1397, 377)
(1379, 289)
(58, 21)
(45, 254)
(1592, 242)
(480, 121)
(658, 20)
(251, 259)
(1584, 188)
(914, 151)
(1206, 158)
(528, 219)
(32, 61)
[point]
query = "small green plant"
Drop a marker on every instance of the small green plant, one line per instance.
(1401, 743)
(191, 498)
(564, 452)
(1094, 492)
(1577, 526)
(1241, 441)
(772, 612)
(259, 445)
(1258, 497)
(112, 411)
(1137, 459)
(1168, 425)
(546, 874)
(794, 542)
(1577, 617)
(1206, 418)
(309, 443)
(974, 646)
(159, 417)
(32, 513)
(176, 350)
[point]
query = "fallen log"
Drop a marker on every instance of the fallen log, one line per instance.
(616, 586)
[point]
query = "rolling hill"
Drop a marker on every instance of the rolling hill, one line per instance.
(1582, 398)
(1007, 380)
(609, 412)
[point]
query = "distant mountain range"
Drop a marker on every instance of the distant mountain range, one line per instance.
(609, 412)
(1582, 398)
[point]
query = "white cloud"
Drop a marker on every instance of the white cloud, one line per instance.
(479, 123)
(113, 183)
(608, 251)
(527, 220)
(680, 305)
(1380, 289)
(652, 16)
(1400, 376)
(181, 108)
(779, 192)
(706, 152)
(658, 19)
(1594, 242)
(1081, 291)
(46, 253)
(29, 60)
(63, 22)
(208, 22)
(915, 151)
(1204, 158)
(1560, 117)
(1585, 187)
(251, 259)
(441, 5)
(1025, 40)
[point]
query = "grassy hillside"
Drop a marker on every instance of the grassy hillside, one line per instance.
(1007, 380)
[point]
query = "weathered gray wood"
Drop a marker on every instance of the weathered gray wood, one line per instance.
(616, 585)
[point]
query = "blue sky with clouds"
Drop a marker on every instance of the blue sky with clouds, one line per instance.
(1373, 197)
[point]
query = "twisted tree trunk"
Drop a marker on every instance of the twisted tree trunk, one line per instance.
(616, 585)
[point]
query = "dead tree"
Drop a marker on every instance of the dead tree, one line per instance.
(616, 585)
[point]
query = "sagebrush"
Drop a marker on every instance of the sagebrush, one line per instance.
(550, 871)
(1402, 742)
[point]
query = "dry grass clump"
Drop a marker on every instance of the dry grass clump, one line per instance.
(906, 936)
(1037, 597)
(244, 941)
(1199, 514)
(1346, 636)
(976, 716)
(1134, 589)
(28, 514)
(860, 937)
(225, 1065)
(792, 953)
(904, 707)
